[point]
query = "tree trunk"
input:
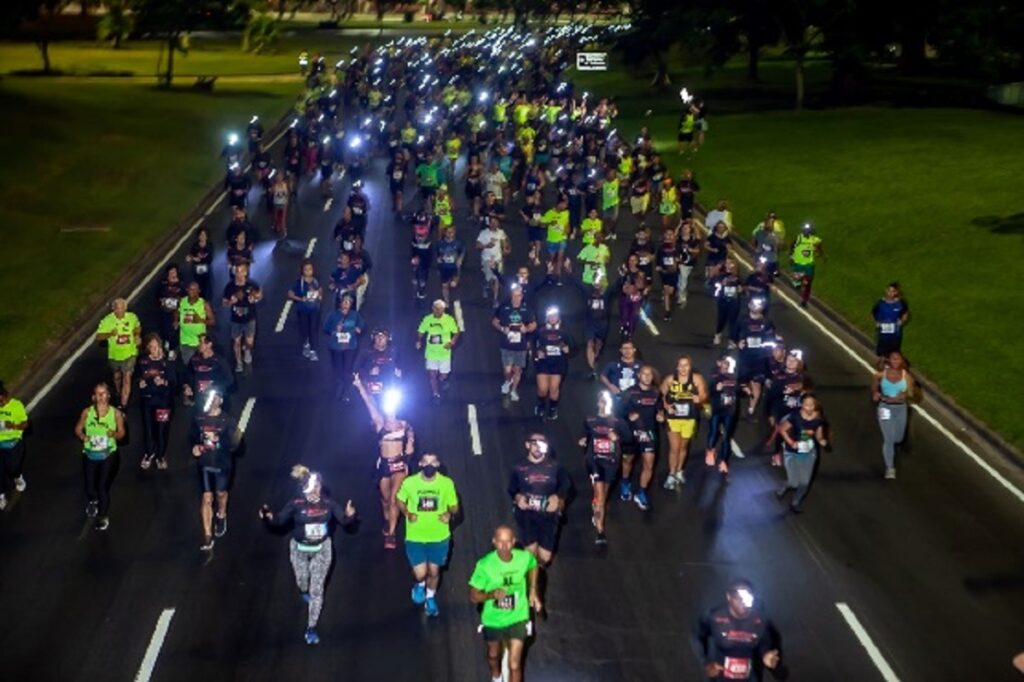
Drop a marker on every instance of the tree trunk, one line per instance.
(753, 61)
(281, 7)
(117, 40)
(44, 52)
(913, 43)
(661, 80)
(83, 7)
(172, 46)
(799, 73)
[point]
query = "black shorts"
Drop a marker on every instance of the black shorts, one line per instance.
(540, 528)
(215, 480)
(605, 470)
(888, 343)
(548, 367)
(448, 273)
(644, 442)
(685, 137)
(397, 187)
(473, 190)
(428, 192)
(391, 467)
(751, 369)
(595, 332)
(670, 279)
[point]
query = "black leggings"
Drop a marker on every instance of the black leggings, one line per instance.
(154, 432)
(11, 460)
(342, 362)
(728, 313)
(308, 325)
(99, 476)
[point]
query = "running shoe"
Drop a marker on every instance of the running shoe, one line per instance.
(890, 474)
(312, 637)
(161, 463)
(207, 544)
(20, 485)
(625, 493)
(600, 539)
(247, 356)
(102, 523)
(238, 367)
(431, 607)
(680, 477)
(305, 350)
(419, 594)
(553, 413)
(220, 525)
(147, 461)
(670, 482)
(640, 497)
(313, 357)
(513, 395)
(506, 387)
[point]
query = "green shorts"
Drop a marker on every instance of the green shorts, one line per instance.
(804, 270)
(509, 632)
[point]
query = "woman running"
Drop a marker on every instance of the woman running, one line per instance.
(312, 515)
(157, 380)
(306, 294)
(891, 388)
(343, 328)
(551, 357)
(99, 428)
(602, 439)
(724, 403)
(683, 392)
(397, 444)
(802, 432)
(200, 257)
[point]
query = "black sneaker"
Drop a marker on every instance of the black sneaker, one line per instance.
(92, 508)
(207, 544)
(600, 539)
(220, 525)
(538, 410)
(553, 413)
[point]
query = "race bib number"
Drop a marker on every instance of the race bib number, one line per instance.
(346, 245)
(99, 443)
(374, 387)
(626, 383)
(396, 465)
(553, 351)
(162, 415)
(397, 175)
(202, 384)
(434, 340)
(170, 303)
(681, 409)
(730, 292)
(427, 503)
(792, 401)
(202, 268)
(448, 258)
(313, 295)
(506, 603)
(344, 337)
(240, 310)
(643, 261)
(603, 446)
(753, 342)
(888, 328)
(211, 439)
(515, 337)
(357, 210)
(597, 304)
(736, 668)
(884, 413)
(536, 502)
(315, 531)
(122, 339)
(668, 261)
(728, 399)
(804, 446)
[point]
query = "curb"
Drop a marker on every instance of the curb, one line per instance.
(956, 418)
(34, 378)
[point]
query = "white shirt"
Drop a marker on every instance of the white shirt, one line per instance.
(714, 217)
(494, 182)
(495, 238)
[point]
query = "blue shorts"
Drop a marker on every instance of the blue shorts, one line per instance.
(556, 247)
(427, 553)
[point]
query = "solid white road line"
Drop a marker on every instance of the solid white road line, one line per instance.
(312, 245)
(865, 641)
(243, 420)
(474, 430)
(48, 386)
(163, 623)
(283, 317)
(457, 307)
(967, 450)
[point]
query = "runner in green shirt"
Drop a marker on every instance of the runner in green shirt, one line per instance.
(557, 221)
(13, 422)
(505, 582)
(594, 258)
(437, 335)
(806, 247)
(590, 226)
(123, 333)
(610, 203)
(99, 428)
(427, 176)
(428, 502)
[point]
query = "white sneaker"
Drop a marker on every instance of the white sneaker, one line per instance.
(306, 350)
(3, 502)
(513, 395)
(247, 355)
(506, 387)
(313, 357)
(718, 339)
(670, 482)
(890, 473)
(680, 477)
(19, 484)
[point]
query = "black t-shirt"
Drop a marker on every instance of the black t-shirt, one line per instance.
(667, 258)
(738, 645)
(150, 371)
(538, 481)
(312, 522)
(552, 358)
(243, 309)
(723, 388)
(214, 434)
(516, 319)
(646, 403)
(600, 441)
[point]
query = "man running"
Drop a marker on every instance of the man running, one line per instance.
(642, 407)
(428, 502)
(215, 437)
(504, 581)
(438, 333)
(515, 321)
(493, 245)
(736, 640)
(805, 249)
(195, 317)
(241, 295)
(890, 315)
(13, 423)
(539, 487)
(123, 333)
(603, 437)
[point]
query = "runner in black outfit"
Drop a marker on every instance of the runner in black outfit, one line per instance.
(539, 487)
(736, 641)
(641, 405)
(157, 380)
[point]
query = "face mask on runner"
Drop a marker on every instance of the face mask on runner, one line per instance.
(429, 470)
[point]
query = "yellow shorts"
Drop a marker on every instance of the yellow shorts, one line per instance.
(684, 427)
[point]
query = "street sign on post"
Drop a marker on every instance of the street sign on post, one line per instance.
(591, 61)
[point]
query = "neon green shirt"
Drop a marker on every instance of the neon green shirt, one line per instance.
(191, 321)
(557, 223)
(12, 413)
(589, 227)
(427, 174)
(408, 134)
(121, 345)
(99, 443)
(521, 114)
(610, 193)
(427, 500)
(491, 573)
(805, 248)
(594, 259)
(439, 331)
(452, 146)
(500, 112)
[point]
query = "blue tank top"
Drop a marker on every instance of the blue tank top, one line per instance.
(891, 389)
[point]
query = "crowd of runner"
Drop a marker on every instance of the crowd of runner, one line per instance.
(490, 115)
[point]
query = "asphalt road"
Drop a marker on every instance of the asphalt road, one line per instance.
(931, 564)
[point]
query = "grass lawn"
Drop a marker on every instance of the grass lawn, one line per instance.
(126, 158)
(931, 197)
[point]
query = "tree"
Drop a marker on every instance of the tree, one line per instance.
(261, 33)
(116, 25)
(39, 20)
(172, 20)
(804, 23)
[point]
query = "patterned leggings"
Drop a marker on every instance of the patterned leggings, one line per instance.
(310, 574)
